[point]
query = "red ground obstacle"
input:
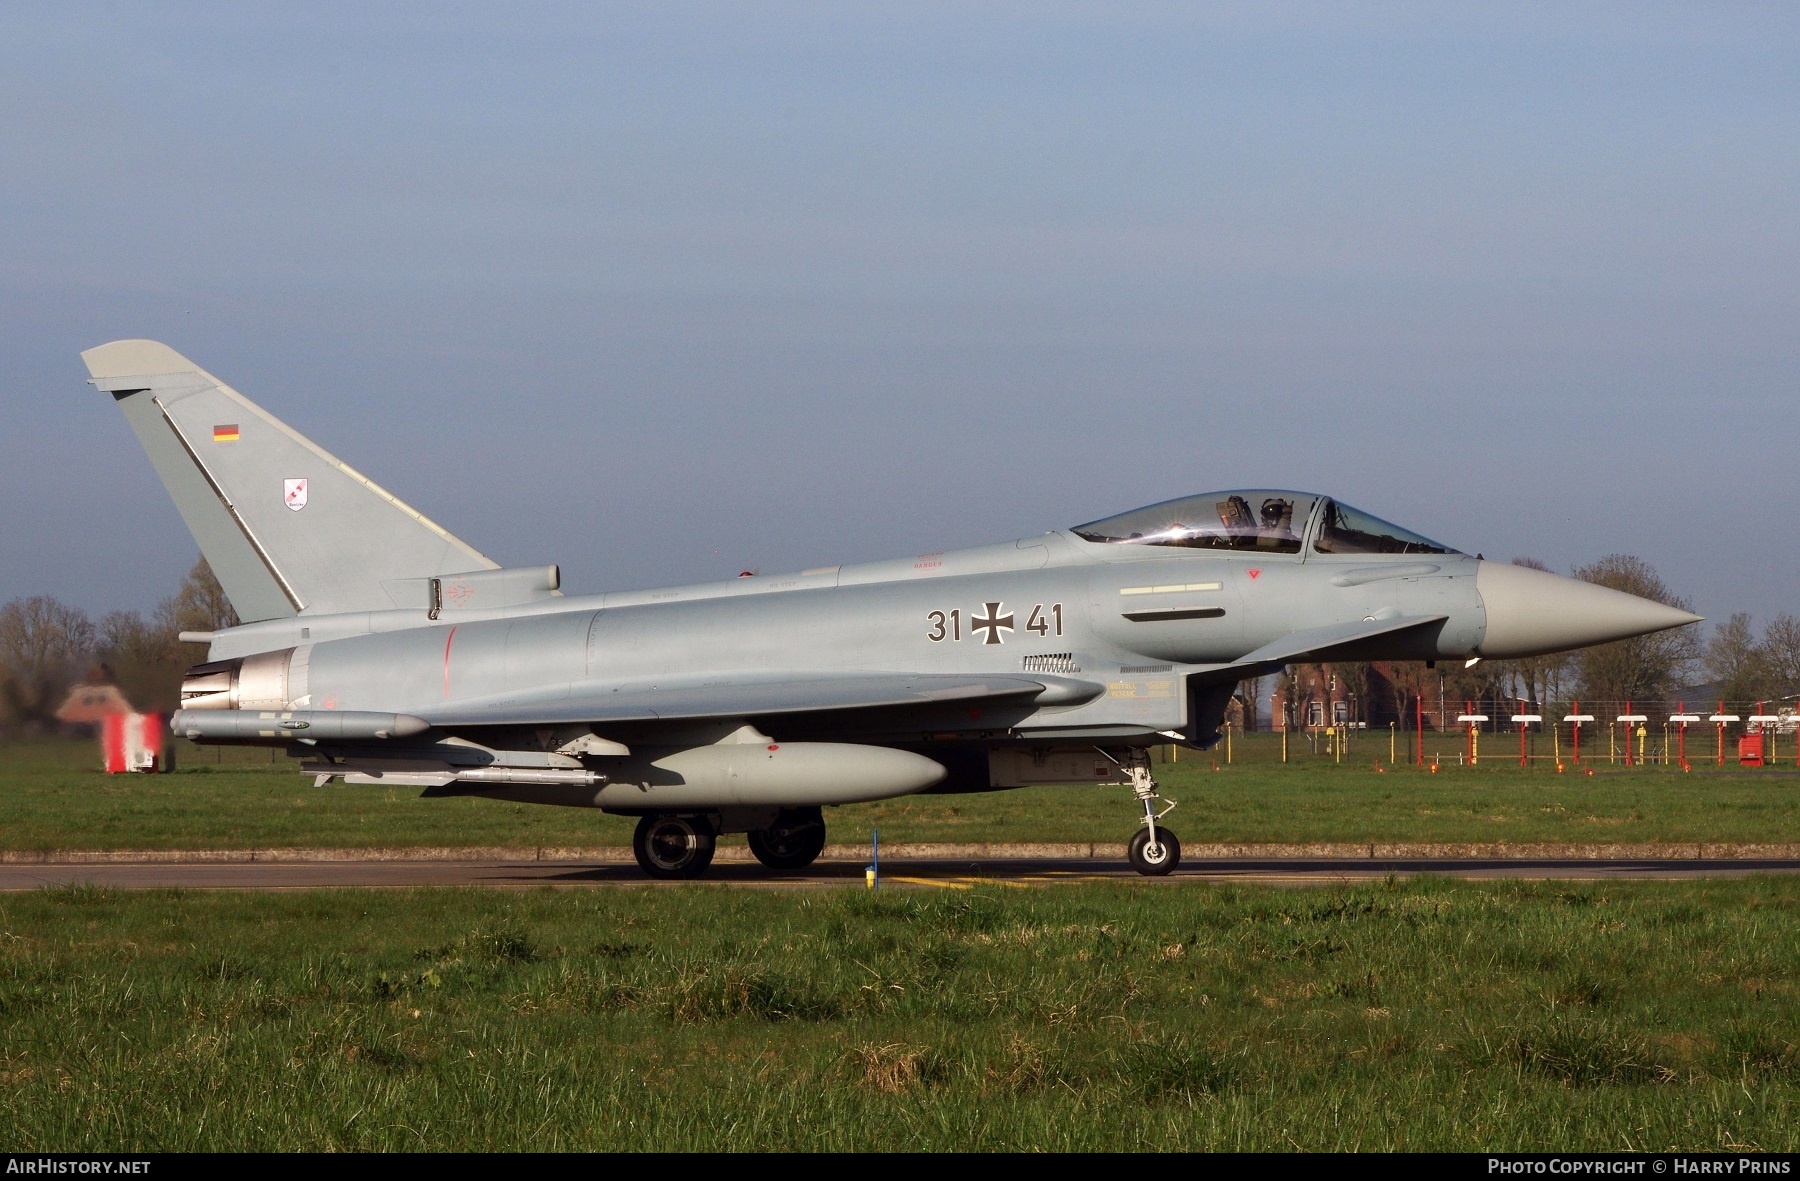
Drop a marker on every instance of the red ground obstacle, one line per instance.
(1755, 749)
(1419, 730)
(1682, 718)
(1721, 720)
(1523, 721)
(1575, 719)
(133, 743)
(1630, 719)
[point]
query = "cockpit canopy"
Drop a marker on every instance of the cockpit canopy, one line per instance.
(1259, 521)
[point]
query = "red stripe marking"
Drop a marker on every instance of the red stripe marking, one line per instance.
(447, 642)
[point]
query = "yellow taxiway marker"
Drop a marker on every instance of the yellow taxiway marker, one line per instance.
(967, 883)
(941, 883)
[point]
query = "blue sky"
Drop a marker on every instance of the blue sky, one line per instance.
(661, 292)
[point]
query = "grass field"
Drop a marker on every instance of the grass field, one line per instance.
(1417, 1015)
(52, 797)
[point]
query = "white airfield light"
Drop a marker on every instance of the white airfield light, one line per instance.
(1684, 718)
(1631, 718)
(1578, 717)
(1472, 717)
(1765, 717)
(1722, 718)
(1527, 717)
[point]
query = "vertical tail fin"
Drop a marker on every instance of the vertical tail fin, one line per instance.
(285, 526)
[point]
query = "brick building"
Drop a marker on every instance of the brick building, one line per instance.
(1378, 693)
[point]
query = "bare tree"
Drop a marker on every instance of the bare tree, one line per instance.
(1643, 668)
(144, 659)
(43, 646)
(199, 606)
(1409, 679)
(1781, 649)
(1737, 663)
(1251, 691)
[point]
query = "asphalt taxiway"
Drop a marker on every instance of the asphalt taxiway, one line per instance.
(915, 874)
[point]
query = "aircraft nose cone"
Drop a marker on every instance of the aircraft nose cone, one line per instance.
(1530, 612)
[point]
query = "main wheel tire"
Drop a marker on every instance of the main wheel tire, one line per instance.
(1153, 861)
(673, 847)
(794, 841)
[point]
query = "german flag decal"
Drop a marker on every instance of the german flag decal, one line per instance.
(225, 432)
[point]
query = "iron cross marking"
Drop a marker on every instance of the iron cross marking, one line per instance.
(992, 624)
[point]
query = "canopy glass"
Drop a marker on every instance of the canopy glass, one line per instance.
(1259, 521)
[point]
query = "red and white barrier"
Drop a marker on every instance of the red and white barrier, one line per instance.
(133, 742)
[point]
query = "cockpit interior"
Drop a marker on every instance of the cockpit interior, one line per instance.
(1267, 521)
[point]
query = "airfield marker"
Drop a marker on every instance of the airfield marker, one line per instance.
(1419, 726)
(1630, 719)
(1473, 719)
(1720, 719)
(1575, 720)
(1524, 720)
(1765, 730)
(1682, 718)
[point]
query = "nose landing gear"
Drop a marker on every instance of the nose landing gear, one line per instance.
(1154, 851)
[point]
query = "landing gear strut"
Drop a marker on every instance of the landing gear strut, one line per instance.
(1154, 851)
(673, 847)
(794, 841)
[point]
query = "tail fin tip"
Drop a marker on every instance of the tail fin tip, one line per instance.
(110, 362)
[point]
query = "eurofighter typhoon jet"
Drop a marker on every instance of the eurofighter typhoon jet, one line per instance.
(383, 650)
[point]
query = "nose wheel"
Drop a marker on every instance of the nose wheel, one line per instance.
(1154, 851)
(1154, 855)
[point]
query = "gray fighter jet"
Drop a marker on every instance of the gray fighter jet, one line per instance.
(383, 650)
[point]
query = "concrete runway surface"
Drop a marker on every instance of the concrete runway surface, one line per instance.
(913, 874)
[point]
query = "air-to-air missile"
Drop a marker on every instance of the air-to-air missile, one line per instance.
(378, 648)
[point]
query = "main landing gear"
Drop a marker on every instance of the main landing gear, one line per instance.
(673, 847)
(794, 841)
(678, 847)
(1154, 851)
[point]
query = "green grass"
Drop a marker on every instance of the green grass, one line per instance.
(1415, 1015)
(52, 797)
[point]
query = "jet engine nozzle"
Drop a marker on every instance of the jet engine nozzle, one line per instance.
(1532, 612)
(263, 681)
